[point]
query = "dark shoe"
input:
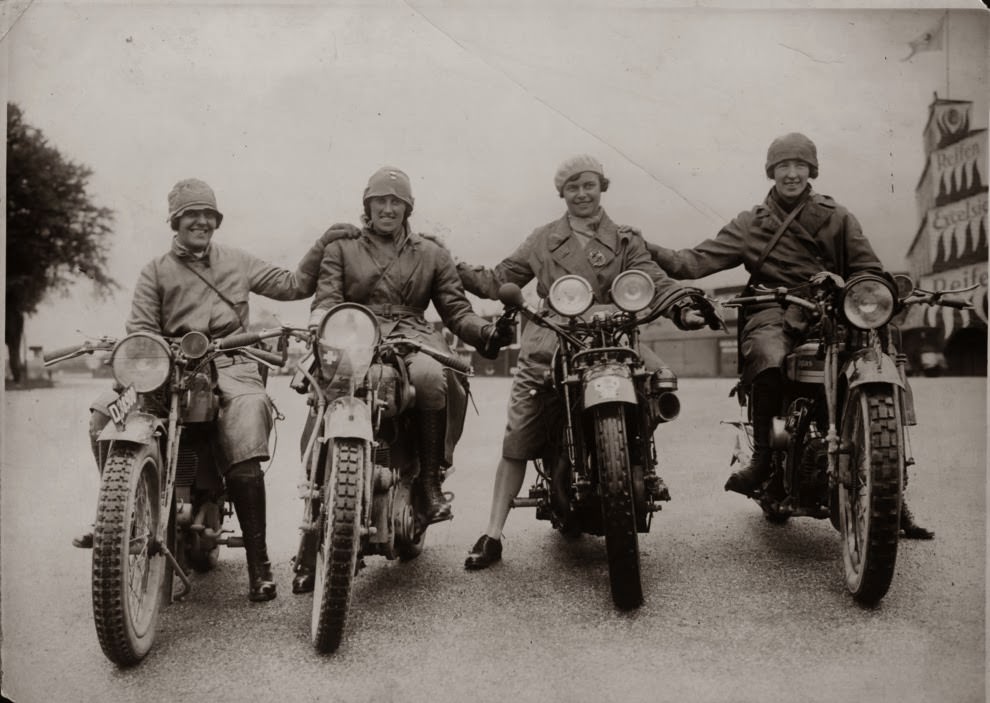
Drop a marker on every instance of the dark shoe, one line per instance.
(247, 493)
(304, 580)
(486, 552)
(910, 529)
(83, 540)
(747, 481)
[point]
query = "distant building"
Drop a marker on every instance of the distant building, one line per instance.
(949, 250)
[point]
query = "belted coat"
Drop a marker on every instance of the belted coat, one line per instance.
(552, 251)
(823, 237)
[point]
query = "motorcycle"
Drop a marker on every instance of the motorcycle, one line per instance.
(162, 500)
(600, 476)
(359, 468)
(838, 446)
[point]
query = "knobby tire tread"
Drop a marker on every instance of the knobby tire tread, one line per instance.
(342, 529)
(885, 498)
(110, 614)
(618, 507)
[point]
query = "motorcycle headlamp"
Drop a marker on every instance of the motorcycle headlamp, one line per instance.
(570, 295)
(142, 360)
(194, 345)
(346, 339)
(632, 290)
(867, 301)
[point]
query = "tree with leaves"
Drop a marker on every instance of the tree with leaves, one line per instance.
(55, 233)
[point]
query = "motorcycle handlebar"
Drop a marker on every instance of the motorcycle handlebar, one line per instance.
(244, 339)
(449, 361)
(65, 351)
(266, 356)
(769, 298)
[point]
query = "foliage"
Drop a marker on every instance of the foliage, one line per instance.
(55, 233)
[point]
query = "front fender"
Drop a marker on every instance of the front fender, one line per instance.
(348, 417)
(608, 383)
(139, 427)
(865, 367)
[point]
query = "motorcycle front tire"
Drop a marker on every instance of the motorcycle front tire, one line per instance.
(870, 505)
(618, 506)
(129, 572)
(340, 541)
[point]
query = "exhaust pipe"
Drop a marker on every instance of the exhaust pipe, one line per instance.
(666, 407)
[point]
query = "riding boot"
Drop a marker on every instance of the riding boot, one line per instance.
(247, 493)
(765, 398)
(305, 566)
(432, 434)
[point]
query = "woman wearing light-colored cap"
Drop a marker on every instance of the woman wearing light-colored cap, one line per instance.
(586, 242)
(823, 239)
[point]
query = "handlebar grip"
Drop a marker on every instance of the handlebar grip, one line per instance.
(449, 361)
(269, 356)
(954, 303)
(245, 339)
(64, 351)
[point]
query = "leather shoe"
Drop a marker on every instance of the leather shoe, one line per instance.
(83, 540)
(486, 552)
(304, 580)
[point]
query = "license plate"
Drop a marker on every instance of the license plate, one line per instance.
(122, 405)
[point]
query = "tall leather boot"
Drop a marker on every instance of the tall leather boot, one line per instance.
(247, 492)
(766, 403)
(432, 434)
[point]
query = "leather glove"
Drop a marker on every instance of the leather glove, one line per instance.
(822, 276)
(496, 336)
(689, 318)
(340, 230)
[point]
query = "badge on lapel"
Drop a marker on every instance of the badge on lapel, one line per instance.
(596, 257)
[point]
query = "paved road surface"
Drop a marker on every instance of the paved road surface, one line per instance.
(736, 609)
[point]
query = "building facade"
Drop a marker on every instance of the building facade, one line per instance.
(949, 250)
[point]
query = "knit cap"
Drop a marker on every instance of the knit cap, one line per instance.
(574, 166)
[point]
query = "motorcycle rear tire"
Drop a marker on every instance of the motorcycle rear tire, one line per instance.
(618, 507)
(870, 506)
(340, 542)
(129, 573)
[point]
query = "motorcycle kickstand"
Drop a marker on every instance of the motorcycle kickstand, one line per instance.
(186, 584)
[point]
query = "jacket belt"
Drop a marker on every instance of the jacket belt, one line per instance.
(395, 311)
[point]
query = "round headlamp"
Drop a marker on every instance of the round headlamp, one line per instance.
(868, 302)
(194, 345)
(142, 360)
(348, 335)
(570, 295)
(632, 290)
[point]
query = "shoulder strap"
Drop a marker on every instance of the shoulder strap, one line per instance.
(216, 290)
(776, 237)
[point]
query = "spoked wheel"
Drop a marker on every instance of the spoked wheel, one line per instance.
(340, 542)
(128, 568)
(618, 509)
(870, 502)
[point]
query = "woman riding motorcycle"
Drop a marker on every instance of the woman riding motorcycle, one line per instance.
(397, 274)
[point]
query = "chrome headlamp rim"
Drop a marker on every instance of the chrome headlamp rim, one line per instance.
(633, 290)
(155, 362)
(194, 345)
(868, 301)
(372, 331)
(570, 295)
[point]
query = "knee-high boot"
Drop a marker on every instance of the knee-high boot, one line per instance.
(766, 403)
(246, 488)
(432, 436)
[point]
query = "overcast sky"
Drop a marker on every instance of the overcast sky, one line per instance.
(287, 109)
